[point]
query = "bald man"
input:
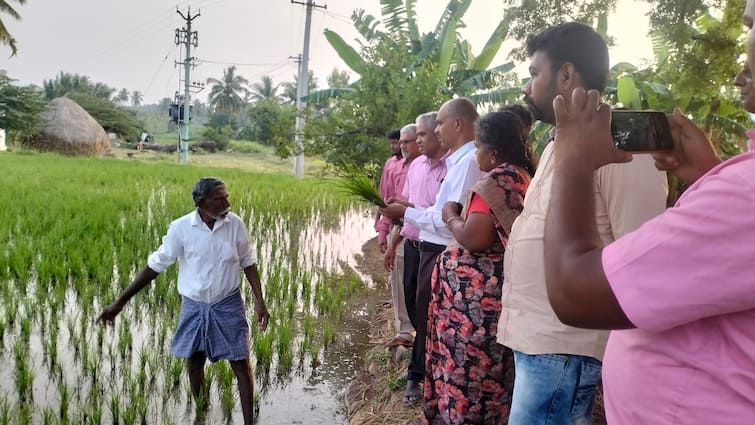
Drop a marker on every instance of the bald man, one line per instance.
(455, 131)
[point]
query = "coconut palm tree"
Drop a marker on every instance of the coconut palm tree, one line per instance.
(264, 89)
(227, 94)
(136, 98)
(289, 87)
(123, 96)
(5, 37)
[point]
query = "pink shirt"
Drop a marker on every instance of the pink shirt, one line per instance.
(391, 182)
(686, 280)
(422, 185)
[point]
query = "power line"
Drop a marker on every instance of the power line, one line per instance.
(237, 63)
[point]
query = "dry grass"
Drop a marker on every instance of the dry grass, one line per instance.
(376, 394)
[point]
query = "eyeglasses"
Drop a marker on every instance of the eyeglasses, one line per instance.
(406, 142)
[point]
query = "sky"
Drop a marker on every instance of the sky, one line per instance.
(130, 44)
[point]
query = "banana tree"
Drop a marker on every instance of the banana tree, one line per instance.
(458, 70)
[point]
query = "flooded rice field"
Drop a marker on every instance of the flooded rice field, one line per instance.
(77, 230)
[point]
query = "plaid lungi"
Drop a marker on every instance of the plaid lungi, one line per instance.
(219, 329)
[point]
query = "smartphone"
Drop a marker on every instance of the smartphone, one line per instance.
(641, 131)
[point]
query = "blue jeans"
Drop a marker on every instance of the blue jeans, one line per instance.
(553, 389)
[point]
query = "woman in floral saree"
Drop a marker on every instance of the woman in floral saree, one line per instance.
(469, 378)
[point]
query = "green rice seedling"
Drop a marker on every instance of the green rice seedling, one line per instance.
(25, 325)
(125, 340)
(115, 407)
(65, 397)
(3, 324)
(174, 372)
(328, 333)
(49, 417)
(5, 415)
(25, 414)
(225, 383)
(263, 348)
(24, 375)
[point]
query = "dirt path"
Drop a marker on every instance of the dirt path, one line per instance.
(376, 394)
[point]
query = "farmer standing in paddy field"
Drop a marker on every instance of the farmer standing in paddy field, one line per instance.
(212, 244)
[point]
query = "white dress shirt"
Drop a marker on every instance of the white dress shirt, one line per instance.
(463, 173)
(210, 259)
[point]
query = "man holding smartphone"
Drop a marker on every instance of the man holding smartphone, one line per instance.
(558, 366)
(679, 291)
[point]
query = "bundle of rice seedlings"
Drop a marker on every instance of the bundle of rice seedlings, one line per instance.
(362, 187)
(356, 183)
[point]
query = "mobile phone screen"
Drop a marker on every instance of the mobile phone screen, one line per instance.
(641, 131)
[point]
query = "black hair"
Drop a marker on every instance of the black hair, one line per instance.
(507, 133)
(577, 44)
(393, 135)
(204, 188)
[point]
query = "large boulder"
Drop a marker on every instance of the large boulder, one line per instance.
(69, 129)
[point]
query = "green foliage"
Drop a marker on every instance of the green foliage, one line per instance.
(65, 83)
(5, 37)
(353, 129)
(220, 120)
(402, 74)
(113, 118)
(693, 71)
(20, 109)
(531, 16)
(271, 124)
(221, 136)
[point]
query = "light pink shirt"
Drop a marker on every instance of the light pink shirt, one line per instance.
(686, 280)
(750, 136)
(421, 187)
(391, 182)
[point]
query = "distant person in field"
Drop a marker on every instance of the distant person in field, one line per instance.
(212, 244)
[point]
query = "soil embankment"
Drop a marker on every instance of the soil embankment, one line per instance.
(376, 394)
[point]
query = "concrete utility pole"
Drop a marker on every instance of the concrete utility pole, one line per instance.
(188, 38)
(302, 88)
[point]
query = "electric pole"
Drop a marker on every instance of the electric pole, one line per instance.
(302, 88)
(188, 38)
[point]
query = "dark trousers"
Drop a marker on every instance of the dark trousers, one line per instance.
(428, 255)
(411, 269)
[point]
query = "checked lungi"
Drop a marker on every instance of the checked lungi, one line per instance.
(219, 329)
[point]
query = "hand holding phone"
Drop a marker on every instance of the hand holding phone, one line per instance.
(641, 131)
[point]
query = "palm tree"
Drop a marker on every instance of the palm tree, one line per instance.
(264, 89)
(227, 95)
(136, 98)
(122, 96)
(5, 37)
(289, 88)
(65, 83)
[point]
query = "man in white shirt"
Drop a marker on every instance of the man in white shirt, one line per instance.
(212, 244)
(455, 131)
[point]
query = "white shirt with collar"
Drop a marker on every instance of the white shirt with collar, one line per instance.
(463, 173)
(210, 259)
